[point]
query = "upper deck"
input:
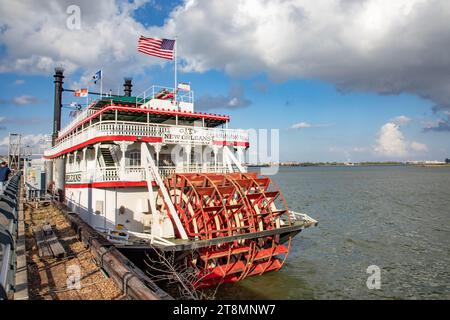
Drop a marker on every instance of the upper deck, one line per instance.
(150, 119)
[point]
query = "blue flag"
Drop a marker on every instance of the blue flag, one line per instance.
(97, 76)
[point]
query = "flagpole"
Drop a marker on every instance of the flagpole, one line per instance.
(175, 68)
(101, 83)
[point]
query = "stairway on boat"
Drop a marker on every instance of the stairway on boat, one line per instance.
(107, 156)
(109, 163)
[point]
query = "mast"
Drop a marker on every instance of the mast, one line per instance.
(101, 83)
(175, 88)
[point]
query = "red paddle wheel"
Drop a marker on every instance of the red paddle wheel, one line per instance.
(225, 205)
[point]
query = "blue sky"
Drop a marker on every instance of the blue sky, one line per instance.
(321, 117)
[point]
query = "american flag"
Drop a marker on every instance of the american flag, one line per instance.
(162, 48)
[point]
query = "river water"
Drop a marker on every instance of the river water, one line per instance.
(397, 218)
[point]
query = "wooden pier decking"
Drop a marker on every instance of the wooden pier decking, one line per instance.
(54, 254)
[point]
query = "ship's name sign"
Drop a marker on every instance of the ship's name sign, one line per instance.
(74, 177)
(188, 135)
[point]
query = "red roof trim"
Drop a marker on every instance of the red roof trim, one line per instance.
(232, 143)
(120, 107)
(109, 184)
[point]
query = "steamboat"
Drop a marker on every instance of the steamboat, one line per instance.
(148, 171)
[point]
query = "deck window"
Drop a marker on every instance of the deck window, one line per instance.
(135, 158)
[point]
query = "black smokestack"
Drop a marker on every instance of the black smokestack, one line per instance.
(57, 102)
(127, 87)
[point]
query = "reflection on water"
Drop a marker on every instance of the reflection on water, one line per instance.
(397, 218)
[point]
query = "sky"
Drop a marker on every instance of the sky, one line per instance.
(342, 80)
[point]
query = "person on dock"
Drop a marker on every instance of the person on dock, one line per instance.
(4, 175)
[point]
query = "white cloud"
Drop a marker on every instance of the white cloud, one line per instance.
(234, 100)
(20, 100)
(35, 143)
(19, 82)
(371, 45)
(392, 143)
(29, 139)
(305, 125)
(23, 100)
(34, 139)
(301, 125)
(401, 120)
(418, 147)
(440, 125)
(37, 39)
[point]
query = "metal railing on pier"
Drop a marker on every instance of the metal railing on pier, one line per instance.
(9, 200)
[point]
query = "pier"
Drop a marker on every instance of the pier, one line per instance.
(32, 269)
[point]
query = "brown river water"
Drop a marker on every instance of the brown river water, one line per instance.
(397, 218)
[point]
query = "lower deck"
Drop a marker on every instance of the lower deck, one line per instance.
(105, 208)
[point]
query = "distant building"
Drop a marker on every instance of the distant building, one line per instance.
(426, 162)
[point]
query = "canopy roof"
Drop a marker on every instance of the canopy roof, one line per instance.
(128, 109)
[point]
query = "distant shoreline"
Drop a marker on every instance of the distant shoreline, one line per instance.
(362, 164)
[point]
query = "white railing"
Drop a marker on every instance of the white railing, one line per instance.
(303, 217)
(153, 91)
(151, 238)
(166, 171)
(81, 116)
(134, 174)
(150, 93)
(108, 174)
(169, 133)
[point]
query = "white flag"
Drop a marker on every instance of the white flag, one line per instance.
(184, 86)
